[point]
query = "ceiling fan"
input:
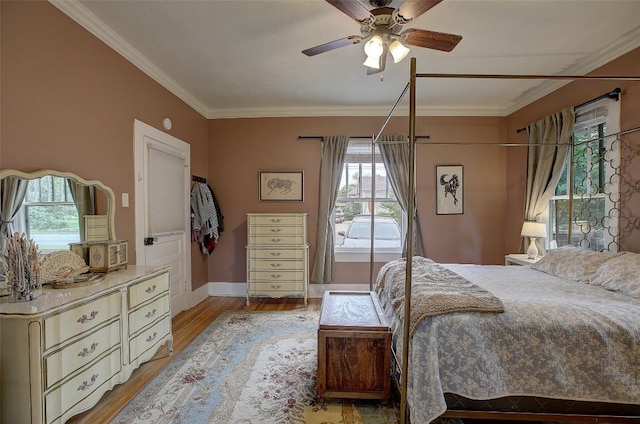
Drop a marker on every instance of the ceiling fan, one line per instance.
(381, 28)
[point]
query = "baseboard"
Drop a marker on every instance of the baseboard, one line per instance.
(198, 295)
(315, 290)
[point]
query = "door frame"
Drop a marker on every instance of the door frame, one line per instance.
(142, 130)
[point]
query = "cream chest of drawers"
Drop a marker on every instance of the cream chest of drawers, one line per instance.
(277, 255)
(62, 351)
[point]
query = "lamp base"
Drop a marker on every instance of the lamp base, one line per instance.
(532, 250)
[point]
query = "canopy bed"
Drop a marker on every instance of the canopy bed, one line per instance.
(520, 343)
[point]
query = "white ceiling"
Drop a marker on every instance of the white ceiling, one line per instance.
(242, 58)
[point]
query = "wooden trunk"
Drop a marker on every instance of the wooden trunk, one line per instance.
(354, 347)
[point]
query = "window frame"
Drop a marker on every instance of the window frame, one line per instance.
(604, 116)
(23, 223)
(370, 160)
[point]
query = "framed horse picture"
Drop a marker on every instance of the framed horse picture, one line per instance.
(281, 186)
(449, 190)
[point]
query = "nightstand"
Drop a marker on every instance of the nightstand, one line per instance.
(519, 259)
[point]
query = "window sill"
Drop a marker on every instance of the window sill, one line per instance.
(363, 255)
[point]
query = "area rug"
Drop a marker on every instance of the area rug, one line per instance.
(248, 368)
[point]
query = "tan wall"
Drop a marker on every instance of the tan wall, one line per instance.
(570, 95)
(240, 148)
(69, 101)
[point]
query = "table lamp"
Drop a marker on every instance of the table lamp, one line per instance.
(533, 230)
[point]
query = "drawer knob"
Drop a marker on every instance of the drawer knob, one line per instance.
(88, 351)
(152, 337)
(276, 253)
(276, 265)
(151, 313)
(86, 384)
(276, 275)
(275, 286)
(84, 318)
(276, 240)
(151, 289)
(275, 230)
(275, 220)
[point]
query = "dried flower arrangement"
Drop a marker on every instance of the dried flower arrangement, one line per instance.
(21, 267)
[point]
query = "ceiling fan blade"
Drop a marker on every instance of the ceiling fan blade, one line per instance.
(332, 45)
(411, 9)
(431, 39)
(351, 8)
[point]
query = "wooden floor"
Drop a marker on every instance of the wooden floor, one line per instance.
(186, 326)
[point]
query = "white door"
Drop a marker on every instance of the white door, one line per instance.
(162, 207)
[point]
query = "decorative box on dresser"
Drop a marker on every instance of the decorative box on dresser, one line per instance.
(62, 351)
(277, 255)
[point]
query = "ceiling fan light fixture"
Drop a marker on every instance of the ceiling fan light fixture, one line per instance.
(372, 62)
(398, 51)
(373, 47)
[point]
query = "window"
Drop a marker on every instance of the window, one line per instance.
(594, 160)
(49, 214)
(355, 206)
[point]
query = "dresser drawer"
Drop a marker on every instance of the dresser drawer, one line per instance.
(277, 240)
(82, 318)
(149, 338)
(147, 314)
(65, 361)
(275, 287)
(264, 253)
(97, 378)
(275, 231)
(276, 276)
(148, 289)
(275, 265)
(277, 220)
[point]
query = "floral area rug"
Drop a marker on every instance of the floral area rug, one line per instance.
(248, 368)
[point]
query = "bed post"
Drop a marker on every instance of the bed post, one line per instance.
(409, 258)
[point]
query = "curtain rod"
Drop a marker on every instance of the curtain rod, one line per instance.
(321, 137)
(613, 95)
(524, 76)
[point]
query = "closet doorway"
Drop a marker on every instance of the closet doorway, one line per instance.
(162, 173)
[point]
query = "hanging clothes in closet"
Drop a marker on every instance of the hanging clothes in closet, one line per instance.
(206, 218)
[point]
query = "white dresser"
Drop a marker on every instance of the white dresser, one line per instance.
(62, 351)
(277, 255)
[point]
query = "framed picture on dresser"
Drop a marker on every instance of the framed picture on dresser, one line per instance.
(281, 186)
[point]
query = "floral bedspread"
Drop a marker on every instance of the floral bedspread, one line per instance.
(556, 338)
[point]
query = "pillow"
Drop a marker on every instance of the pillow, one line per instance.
(573, 263)
(621, 274)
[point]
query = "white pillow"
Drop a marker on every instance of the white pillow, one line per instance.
(620, 274)
(573, 263)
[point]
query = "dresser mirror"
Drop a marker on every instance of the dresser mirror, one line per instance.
(55, 208)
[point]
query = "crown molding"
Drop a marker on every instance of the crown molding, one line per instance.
(624, 45)
(302, 112)
(91, 23)
(95, 26)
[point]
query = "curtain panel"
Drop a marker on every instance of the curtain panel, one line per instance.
(549, 143)
(12, 192)
(334, 149)
(394, 150)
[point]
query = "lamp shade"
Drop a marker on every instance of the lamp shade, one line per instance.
(372, 62)
(533, 229)
(398, 51)
(373, 47)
